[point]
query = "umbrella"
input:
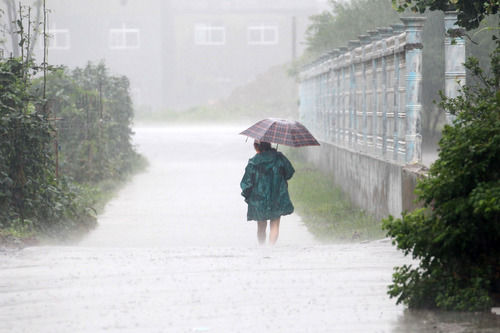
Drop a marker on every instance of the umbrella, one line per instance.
(280, 131)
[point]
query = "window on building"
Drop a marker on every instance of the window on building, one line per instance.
(208, 34)
(59, 39)
(124, 38)
(262, 34)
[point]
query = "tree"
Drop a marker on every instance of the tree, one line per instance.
(470, 12)
(346, 21)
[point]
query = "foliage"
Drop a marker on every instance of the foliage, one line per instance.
(94, 113)
(30, 196)
(87, 115)
(324, 208)
(456, 236)
(470, 12)
(82, 121)
(335, 28)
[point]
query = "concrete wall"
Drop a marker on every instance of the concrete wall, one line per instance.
(379, 187)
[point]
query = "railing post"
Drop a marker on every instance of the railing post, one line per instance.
(454, 55)
(314, 117)
(324, 93)
(321, 106)
(413, 27)
(345, 101)
(384, 34)
(334, 97)
(326, 98)
(365, 40)
(311, 97)
(398, 29)
(374, 112)
(323, 100)
(353, 123)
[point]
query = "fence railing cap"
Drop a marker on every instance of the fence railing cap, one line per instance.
(374, 35)
(398, 27)
(413, 21)
(352, 44)
(334, 52)
(385, 32)
(364, 39)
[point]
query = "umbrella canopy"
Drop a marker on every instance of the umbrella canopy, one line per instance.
(280, 131)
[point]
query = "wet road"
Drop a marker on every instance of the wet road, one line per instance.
(173, 253)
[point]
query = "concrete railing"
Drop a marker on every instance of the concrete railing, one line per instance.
(363, 103)
(367, 97)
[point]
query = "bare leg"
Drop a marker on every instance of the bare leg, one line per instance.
(261, 231)
(274, 231)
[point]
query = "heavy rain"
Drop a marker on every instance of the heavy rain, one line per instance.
(130, 200)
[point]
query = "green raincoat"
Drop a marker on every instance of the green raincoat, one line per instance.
(265, 186)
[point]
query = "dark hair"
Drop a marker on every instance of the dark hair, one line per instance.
(262, 146)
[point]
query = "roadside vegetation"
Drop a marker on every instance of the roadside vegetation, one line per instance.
(456, 235)
(324, 208)
(65, 145)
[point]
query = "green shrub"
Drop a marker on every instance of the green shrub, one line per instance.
(30, 195)
(456, 236)
(94, 112)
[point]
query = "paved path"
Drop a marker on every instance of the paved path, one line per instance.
(173, 253)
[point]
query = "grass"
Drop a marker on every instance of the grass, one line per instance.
(94, 196)
(325, 209)
(17, 237)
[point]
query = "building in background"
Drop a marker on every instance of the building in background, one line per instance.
(215, 46)
(179, 53)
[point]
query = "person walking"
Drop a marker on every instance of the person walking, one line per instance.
(265, 189)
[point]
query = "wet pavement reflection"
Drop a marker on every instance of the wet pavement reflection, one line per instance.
(173, 253)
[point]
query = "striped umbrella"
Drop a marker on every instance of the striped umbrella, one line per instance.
(280, 131)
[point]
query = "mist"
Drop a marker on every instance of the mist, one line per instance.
(121, 207)
(177, 54)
